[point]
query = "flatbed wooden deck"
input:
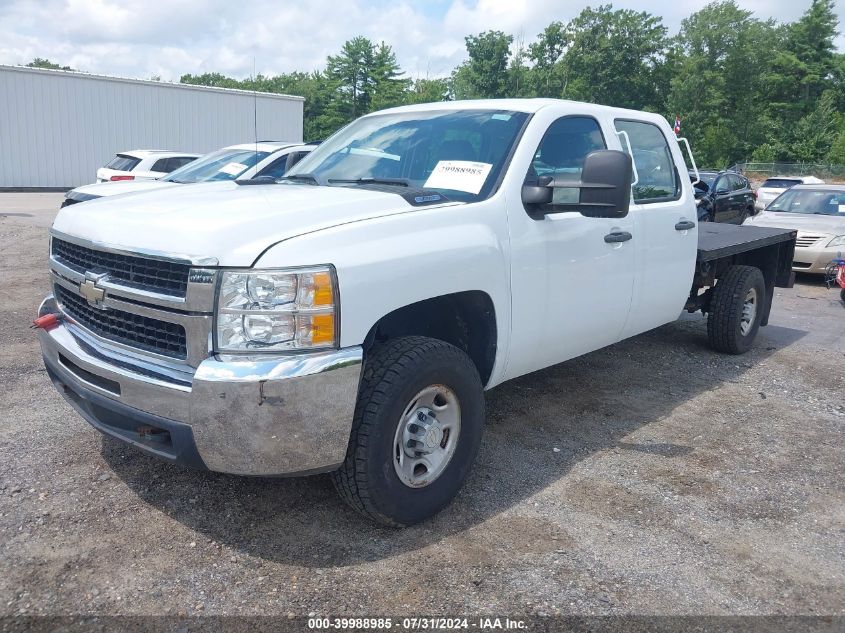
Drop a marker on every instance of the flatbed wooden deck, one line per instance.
(723, 240)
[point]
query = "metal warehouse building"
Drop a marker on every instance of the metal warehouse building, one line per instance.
(58, 127)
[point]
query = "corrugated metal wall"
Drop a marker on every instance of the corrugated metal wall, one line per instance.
(57, 128)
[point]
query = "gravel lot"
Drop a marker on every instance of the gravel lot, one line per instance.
(651, 477)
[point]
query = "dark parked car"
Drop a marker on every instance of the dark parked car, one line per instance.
(723, 196)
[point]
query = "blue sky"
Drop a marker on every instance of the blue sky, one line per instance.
(142, 38)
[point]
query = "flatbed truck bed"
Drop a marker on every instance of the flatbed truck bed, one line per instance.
(723, 240)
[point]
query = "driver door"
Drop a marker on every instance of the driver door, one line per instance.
(571, 284)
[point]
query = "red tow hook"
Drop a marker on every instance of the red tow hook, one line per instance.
(46, 322)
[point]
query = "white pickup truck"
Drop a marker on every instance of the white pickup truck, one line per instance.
(348, 317)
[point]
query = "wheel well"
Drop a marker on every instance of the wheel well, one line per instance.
(467, 320)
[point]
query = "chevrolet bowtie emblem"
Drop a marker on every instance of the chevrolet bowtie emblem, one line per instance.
(92, 293)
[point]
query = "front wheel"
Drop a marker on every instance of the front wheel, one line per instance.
(417, 428)
(736, 309)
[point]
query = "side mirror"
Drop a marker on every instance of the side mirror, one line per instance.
(541, 193)
(606, 184)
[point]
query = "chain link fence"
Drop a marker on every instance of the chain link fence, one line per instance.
(819, 170)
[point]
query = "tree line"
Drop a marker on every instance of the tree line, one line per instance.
(744, 88)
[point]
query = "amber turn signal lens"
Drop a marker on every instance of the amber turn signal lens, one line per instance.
(322, 289)
(322, 328)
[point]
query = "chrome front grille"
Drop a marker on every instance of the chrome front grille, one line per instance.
(134, 330)
(124, 303)
(805, 240)
(154, 275)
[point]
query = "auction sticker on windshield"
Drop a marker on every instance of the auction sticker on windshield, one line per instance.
(458, 175)
(233, 169)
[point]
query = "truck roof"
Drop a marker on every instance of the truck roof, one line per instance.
(520, 105)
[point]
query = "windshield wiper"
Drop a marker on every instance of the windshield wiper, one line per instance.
(402, 182)
(305, 176)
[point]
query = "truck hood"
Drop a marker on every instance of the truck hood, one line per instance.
(230, 222)
(100, 189)
(804, 222)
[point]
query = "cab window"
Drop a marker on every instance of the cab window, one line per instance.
(561, 155)
(657, 177)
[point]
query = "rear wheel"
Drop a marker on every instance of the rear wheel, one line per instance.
(416, 431)
(736, 309)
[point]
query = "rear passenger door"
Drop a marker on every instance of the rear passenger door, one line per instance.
(665, 225)
(737, 198)
(723, 205)
(161, 166)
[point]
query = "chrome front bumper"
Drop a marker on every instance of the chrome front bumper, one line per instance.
(280, 415)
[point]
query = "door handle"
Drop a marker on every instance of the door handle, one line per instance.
(617, 236)
(684, 225)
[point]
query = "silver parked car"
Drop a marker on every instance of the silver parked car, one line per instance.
(817, 212)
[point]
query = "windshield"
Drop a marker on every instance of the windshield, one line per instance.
(122, 162)
(458, 153)
(225, 164)
(780, 183)
(810, 201)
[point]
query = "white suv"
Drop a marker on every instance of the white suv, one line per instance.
(776, 185)
(236, 162)
(143, 164)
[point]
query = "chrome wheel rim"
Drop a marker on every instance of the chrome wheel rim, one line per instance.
(426, 436)
(749, 312)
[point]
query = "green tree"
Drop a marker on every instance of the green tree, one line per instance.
(616, 57)
(545, 55)
(816, 132)
(724, 64)
(352, 71)
(367, 77)
(811, 41)
(389, 87)
(836, 155)
(485, 74)
(429, 91)
(519, 74)
(40, 62)
(215, 80)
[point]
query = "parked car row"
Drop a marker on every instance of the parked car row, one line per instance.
(237, 162)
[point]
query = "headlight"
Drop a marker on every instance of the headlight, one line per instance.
(276, 310)
(839, 240)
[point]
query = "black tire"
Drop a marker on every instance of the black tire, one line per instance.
(724, 320)
(842, 294)
(393, 373)
(743, 216)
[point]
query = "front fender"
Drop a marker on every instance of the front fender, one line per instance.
(386, 263)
